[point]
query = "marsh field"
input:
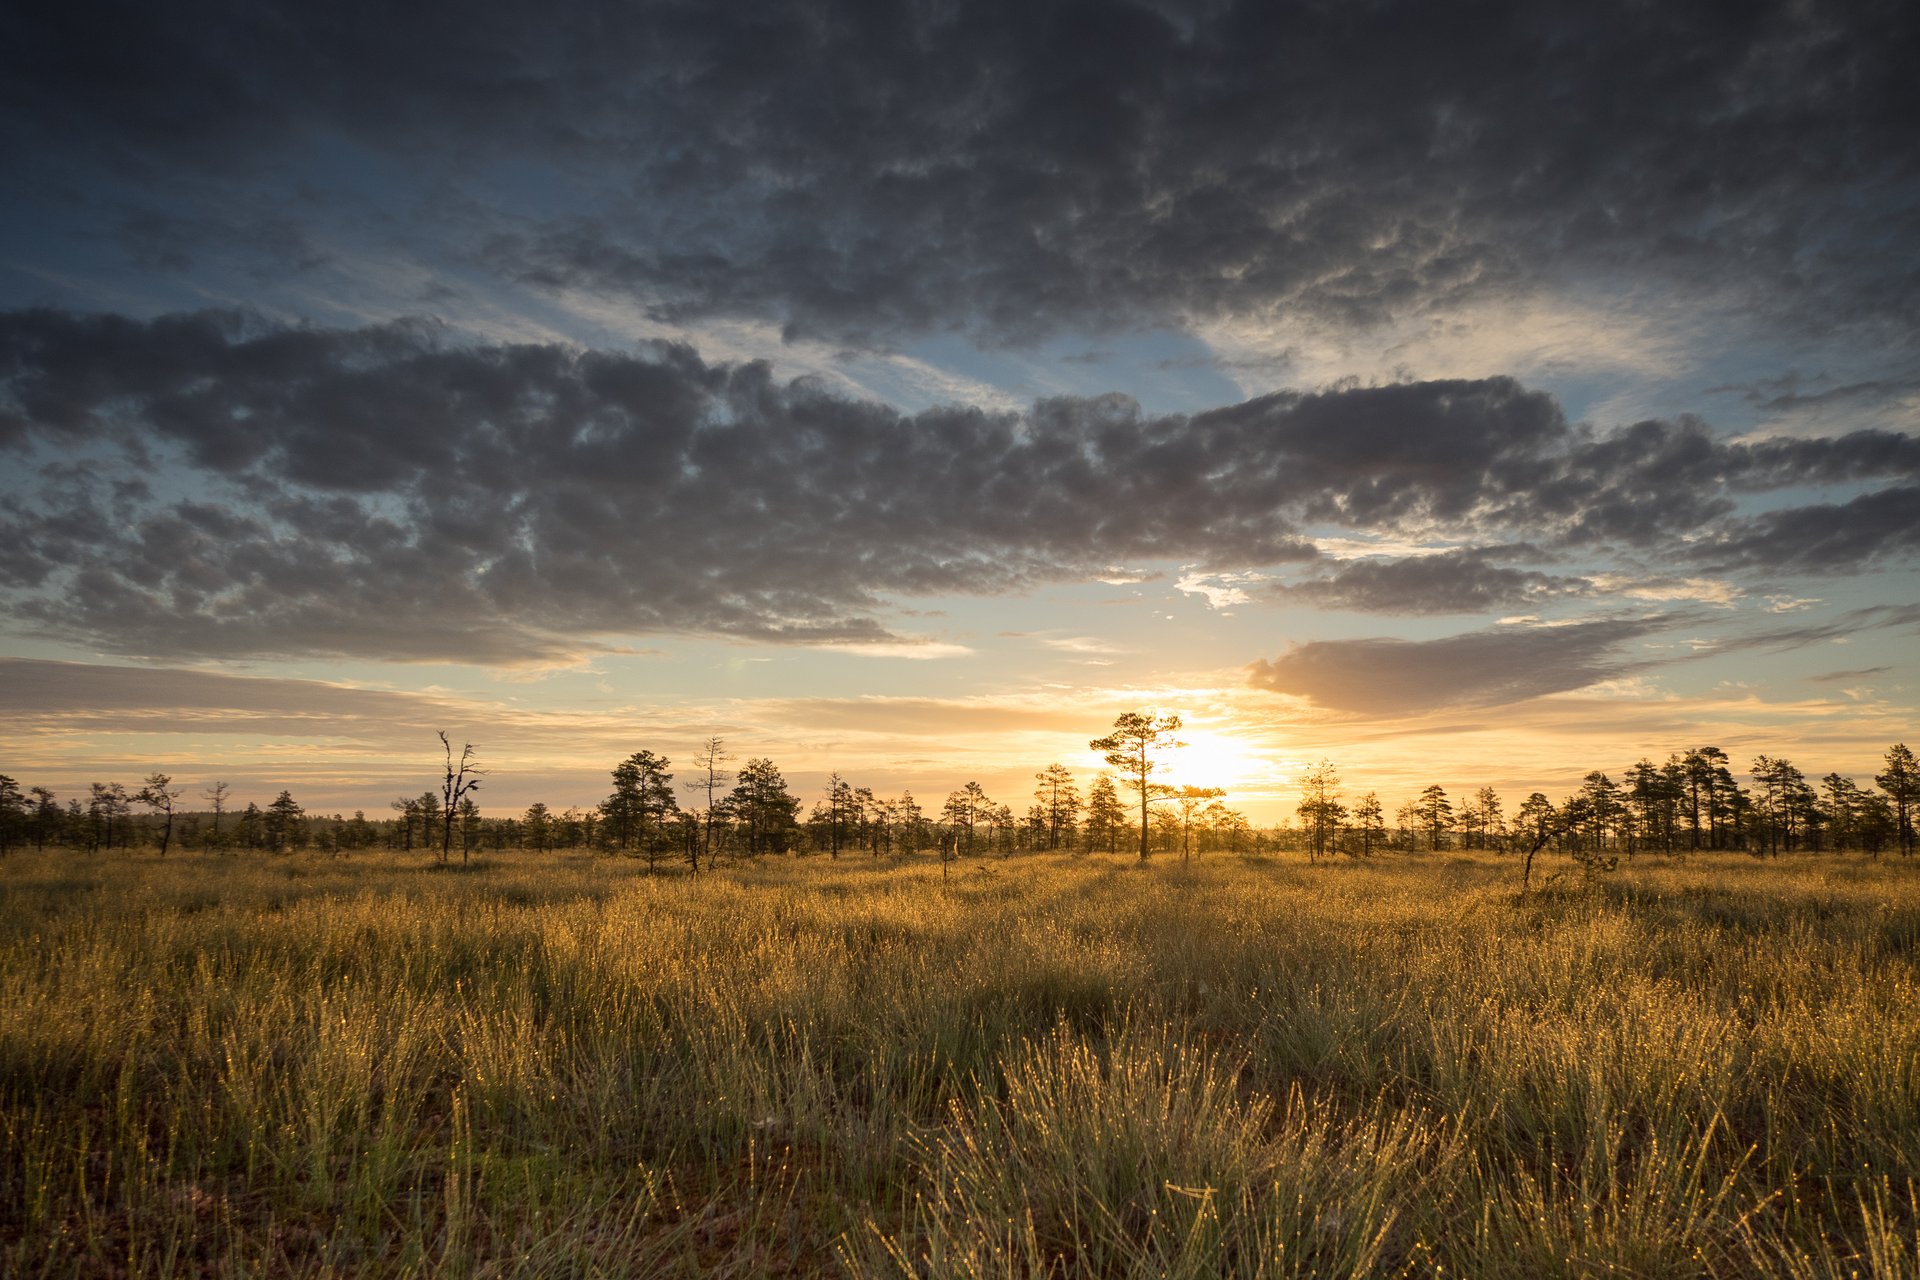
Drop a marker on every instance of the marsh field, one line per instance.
(560, 1065)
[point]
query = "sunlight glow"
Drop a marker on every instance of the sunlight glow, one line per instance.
(1211, 759)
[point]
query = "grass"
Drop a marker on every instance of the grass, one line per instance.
(556, 1066)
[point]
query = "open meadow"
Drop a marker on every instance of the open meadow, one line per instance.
(561, 1065)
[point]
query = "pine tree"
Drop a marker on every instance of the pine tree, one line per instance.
(1901, 782)
(1130, 748)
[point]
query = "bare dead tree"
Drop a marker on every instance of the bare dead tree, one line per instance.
(460, 780)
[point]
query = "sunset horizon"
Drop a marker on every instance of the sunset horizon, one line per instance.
(1465, 398)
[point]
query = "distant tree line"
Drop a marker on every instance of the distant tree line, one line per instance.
(1691, 802)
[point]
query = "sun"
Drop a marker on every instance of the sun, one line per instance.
(1209, 759)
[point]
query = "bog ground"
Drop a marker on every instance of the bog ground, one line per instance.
(560, 1065)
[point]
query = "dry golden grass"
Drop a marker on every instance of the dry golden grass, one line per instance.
(553, 1065)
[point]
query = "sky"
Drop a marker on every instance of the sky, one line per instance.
(1465, 393)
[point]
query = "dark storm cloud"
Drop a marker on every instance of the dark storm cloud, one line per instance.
(1470, 580)
(861, 169)
(1828, 537)
(233, 487)
(1480, 668)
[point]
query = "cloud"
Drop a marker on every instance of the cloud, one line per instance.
(1841, 627)
(1522, 660)
(1826, 537)
(1842, 677)
(142, 697)
(1466, 580)
(1219, 590)
(1012, 168)
(1480, 668)
(216, 485)
(916, 648)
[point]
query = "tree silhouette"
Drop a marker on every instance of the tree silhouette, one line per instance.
(1320, 809)
(280, 824)
(461, 779)
(536, 827)
(1709, 785)
(642, 799)
(762, 806)
(1435, 812)
(13, 813)
(1130, 748)
(1599, 808)
(708, 759)
(1371, 822)
(1844, 803)
(1058, 800)
(1189, 801)
(216, 797)
(159, 794)
(910, 822)
(1105, 814)
(1783, 791)
(836, 815)
(1901, 782)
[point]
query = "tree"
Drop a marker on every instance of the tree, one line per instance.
(1000, 828)
(469, 826)
(408, 811)
(1655, 797)
(1131, 748)
(1843, 810)
(762, 806)
(159, 794)
(1706, 779)
(536, 827)
(1876, 822)
(1782, 803)
(1599, 807)
(250, 821)
(837, 814)
(1535, 822)
(107, 809)
(1901, 783)
(46, 817)
(642, 799)
(1105, 814)
(1320, 809)
(877, 817)
(1058, 800)
(1228, 827)
(1486, 808)
(1190, 800)
(1535, 817)
(1370, 821)
(910, 822)
(964, 810)
(280, 824)
(1435, 812)
(13, 814)
(708, 759)
(460, 781)
(216, 797)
